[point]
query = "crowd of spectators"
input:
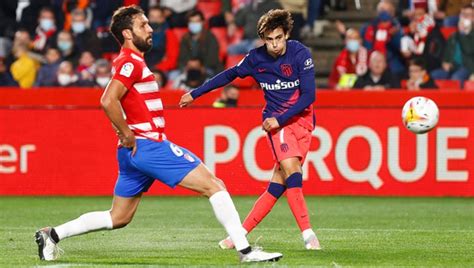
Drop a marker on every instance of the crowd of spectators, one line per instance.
(66, 43)
(407, 48)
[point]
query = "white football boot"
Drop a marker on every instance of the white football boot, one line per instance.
(257, 255)
(311, 242)
(48, 250)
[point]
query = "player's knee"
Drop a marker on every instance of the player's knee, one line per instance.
(276, 189)
(295, 180)
(290, 166)
(220, 183)
(212, 186)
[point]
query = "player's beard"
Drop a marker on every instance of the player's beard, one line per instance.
(142, 44)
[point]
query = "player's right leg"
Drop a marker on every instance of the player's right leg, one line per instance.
(119, 216)
(262, 206)
(203, 181)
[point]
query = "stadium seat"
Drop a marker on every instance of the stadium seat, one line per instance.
(221, 35)
(247, 82)
(448, 31)
(209, 8)
(237, 37)
(448, 84)
(180, 32)
(469, 85)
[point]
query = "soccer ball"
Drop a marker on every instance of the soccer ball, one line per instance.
(420, 115)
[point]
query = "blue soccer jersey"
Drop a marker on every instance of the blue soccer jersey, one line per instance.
(287, 81)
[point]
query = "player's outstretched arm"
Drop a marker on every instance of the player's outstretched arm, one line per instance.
(110, 102)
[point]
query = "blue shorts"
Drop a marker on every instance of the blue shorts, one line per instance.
(163, 161)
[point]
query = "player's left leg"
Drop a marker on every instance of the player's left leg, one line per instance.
(118, 216)
(291, 167)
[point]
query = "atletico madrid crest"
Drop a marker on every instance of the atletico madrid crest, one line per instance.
(286, 69)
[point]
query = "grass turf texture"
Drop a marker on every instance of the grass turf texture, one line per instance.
(354, 231)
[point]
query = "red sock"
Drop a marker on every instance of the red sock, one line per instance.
(261, 208)
(298, 207)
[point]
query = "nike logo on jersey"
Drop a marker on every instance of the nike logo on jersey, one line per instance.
(261, 70)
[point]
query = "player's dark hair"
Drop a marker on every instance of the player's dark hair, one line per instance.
(273, 19)
(194, 13)
(123, 19)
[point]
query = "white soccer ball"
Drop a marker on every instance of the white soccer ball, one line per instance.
(420, 115)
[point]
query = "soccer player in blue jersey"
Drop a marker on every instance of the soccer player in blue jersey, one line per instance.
(285, 71)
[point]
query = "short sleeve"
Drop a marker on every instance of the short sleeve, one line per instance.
(127, 73)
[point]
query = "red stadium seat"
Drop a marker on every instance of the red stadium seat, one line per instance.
(469, 85)
(221, 35)
(448, 84)
(237, 37)
(180, 32)
(448, 31)
(209, 8)
(247, 82)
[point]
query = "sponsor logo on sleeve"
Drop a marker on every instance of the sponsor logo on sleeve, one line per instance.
(127, 69)
(308, 63)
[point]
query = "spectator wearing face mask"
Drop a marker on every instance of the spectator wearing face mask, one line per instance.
(102, 73)
(84, 38)
(193, 76)
(352, 61)
(425, 39)
(228, 98)
(164, 53)
(68, 7)
(65, 44)
(378, 77)
(25, 67)
(418, 76)
(47, 73)
(67, 77)
(46, 31)
(458, 59)
(199, 43)
(384, 34)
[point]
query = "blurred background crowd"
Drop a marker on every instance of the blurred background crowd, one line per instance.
(356, 44)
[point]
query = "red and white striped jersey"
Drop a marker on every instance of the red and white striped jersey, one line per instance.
(142, 105)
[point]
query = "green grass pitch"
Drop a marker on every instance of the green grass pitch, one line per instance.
(354, 231)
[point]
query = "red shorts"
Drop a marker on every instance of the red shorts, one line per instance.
(293, 140)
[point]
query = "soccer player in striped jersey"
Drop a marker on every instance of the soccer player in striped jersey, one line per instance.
(285, 71)
(132, 103)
